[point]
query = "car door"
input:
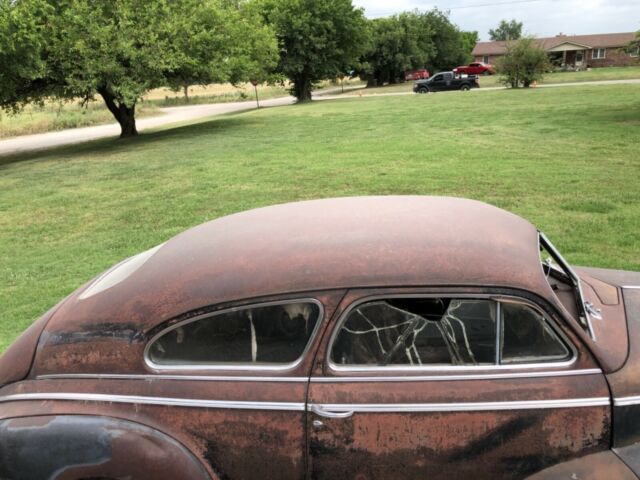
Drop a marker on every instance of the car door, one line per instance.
(448, 81)
(240, 377)
(437, 83)
(454, 384)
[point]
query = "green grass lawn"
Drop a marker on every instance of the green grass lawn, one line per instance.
(594, 75)
(566, 159)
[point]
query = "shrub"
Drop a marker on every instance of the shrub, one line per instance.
(523, 63)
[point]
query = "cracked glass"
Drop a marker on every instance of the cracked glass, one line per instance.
(418, 332)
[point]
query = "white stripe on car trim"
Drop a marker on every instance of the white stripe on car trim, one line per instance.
(165, 401)
(463, 407)
(294, 406)
(626, 401)
(451, 378)
(386, 378)
(633, 287)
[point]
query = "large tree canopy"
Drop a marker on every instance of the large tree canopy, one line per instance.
(398, 43)
(122, 49)
(413, 40)
(511, 30)
(318, 39)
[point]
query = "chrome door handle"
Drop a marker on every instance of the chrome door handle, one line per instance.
(318, 410)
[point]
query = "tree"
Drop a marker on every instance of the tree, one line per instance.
(469, 41)
(634, 45)
(120, 50)
(523, 63)
(506, 31)
(399, 43)
(318, 39)
(448, 40)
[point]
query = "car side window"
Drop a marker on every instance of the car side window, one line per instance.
(432, 332)
(437, 78)
(528, 338)
(269, 334)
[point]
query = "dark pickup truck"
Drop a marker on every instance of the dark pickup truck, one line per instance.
(446, 81)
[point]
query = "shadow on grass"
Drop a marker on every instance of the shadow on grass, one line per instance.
(109, 146)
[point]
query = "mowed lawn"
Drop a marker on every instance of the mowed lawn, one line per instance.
(568, 159)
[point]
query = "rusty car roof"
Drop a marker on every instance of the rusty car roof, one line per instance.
(319, 245)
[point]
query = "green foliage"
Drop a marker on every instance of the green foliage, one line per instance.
(120, 50)
(448, 40)
(523, 63)
(634, 45)
(469, 41)
(511, 30)
(399, 43)
(318, 39)
(413, 40)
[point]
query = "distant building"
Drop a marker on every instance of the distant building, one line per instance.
(573, 51)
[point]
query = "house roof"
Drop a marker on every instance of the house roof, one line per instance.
(604, 40)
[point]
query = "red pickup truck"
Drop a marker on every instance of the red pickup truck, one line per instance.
(421, 74)
(477, 68)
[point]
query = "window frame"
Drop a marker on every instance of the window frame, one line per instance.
(485, 59)
(599, 57)
(634, 53)
(276, 367)
(334, 368)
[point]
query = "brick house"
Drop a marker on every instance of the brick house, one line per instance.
(573, 51)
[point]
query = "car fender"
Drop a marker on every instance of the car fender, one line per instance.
(73, 447)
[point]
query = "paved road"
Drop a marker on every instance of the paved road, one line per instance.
(43, 141)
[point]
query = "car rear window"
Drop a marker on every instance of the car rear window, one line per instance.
(428, 332)
(260, 335)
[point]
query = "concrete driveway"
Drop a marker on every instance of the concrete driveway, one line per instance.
(172, 115)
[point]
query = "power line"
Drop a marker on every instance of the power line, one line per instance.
(494, 4)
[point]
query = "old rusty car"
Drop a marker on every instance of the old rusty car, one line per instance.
(373, 337)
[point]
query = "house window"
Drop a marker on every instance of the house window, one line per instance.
(598, 53)
(635, 53)
(485, 59)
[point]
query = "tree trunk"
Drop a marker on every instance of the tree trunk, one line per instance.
(126, 116)
(302, 88)
(186, 93)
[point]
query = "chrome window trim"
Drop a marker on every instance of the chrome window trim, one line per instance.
(631, 287)
(626, 401)
(335, 368)
(584, 315)
(276, 367)
(160, 376)
(462, 407)
(452, 378)
(343, 379)
(163, 401)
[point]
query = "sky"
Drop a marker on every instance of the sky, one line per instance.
(541, 18)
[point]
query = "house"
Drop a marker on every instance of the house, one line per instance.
(573, 51)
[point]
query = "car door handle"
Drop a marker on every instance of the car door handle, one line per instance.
(318, 410)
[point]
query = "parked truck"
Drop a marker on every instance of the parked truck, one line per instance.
(444, 81)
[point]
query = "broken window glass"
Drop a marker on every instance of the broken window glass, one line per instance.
(528, 338)
(418, 332)
(271, 334)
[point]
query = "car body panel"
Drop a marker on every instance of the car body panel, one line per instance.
(405, 425)
(258, 423)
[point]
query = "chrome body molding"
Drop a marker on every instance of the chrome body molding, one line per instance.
(626, 401)
(328, 409)
(163, 401)
(460, 407)
(386, 378)
(631, 287)
(452, 378)
(161, 376)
